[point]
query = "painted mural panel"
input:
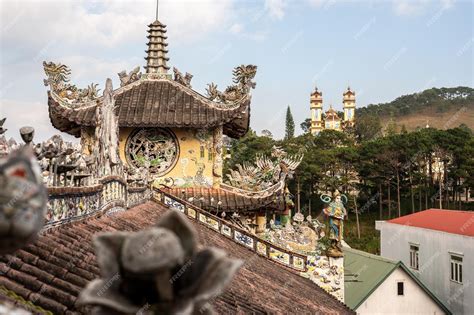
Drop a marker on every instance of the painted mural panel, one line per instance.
(298, 262)
(192, 213)
(243, 239)
(279, 256)
(173, 204)
(209, 221)
(261, 248)
(226, 230)
(199, 157)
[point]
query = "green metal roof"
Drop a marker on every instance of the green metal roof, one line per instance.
(364, 272)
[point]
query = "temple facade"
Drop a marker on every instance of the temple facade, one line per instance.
(171, 136)
(165, 128)
(331, 119)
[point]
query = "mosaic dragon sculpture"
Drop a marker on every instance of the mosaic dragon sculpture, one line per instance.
(266, 171)
(58, 81)
(243, 76)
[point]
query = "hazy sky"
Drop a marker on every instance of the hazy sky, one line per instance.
(382, 49)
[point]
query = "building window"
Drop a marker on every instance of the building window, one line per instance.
(456, 268)
(210, 154)
(400, 288)
(154, 149)
(414, 254)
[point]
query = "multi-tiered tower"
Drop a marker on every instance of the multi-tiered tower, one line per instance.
(316, 105)
(348, 102)
(156, 54)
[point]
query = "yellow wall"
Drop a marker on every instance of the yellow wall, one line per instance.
(191, 169)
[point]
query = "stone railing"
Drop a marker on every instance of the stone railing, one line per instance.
(66, 204)
(252, 242)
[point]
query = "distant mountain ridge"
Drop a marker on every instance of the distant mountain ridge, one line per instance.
(441, 108)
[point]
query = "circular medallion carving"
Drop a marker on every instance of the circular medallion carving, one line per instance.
(155, 148)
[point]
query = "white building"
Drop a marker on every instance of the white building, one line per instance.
(438, 247)
(376, 285)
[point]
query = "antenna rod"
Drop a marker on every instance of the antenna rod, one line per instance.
(157, 4)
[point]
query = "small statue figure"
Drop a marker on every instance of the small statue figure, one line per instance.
(131, 77)
(336, 213)
(27, 134)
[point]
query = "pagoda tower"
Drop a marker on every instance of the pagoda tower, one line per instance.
(156, 54)
(316, 105)
(348, 102)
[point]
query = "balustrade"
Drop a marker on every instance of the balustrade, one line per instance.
(252, 242)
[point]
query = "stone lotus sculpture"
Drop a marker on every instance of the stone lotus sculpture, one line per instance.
(157, 271)
(22, 200)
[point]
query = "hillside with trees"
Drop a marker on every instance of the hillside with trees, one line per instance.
(440, 108)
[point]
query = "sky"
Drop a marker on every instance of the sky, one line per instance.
(381, 49)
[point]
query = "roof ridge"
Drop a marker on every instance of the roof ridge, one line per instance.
(370, 255)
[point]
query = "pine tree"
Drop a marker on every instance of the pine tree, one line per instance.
(290, 125)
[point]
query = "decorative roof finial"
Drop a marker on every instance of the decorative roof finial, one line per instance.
(157, 5)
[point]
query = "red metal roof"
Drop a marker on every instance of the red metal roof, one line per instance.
(450, 221)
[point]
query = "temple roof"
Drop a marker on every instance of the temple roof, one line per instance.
(52, 271)
(156, 103)
(230, 199)
(348, 92)
(331, 113)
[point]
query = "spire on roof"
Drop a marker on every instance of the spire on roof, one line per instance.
(156, 54)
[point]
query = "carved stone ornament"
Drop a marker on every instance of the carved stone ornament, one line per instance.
(131, 77)
(160, 268)
(243, 76)
(106, 134)
(22, 199)
(153, 149)
(57, 80)
(184, 80)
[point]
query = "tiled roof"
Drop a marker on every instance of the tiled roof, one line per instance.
(363, 273)
(450, 221)
(208, 199)
(52, 271)
(157, 103)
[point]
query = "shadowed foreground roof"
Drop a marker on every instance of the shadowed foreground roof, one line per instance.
(52, 271)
